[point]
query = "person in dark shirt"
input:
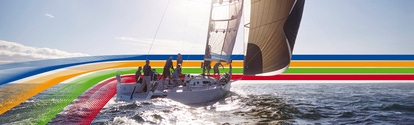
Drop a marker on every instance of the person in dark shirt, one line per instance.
(207, 62)
(154, 75)
(179, 60)
(176, 76)
(138, 76)
(166, 73)
(147, 68)
(216, 68)
(147, 76)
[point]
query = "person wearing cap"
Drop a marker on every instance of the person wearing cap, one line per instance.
(147, 76)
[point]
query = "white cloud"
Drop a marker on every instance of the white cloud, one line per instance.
(49, 15)
(16, 52)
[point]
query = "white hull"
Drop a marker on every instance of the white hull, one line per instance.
(125, 90)
(198, 94)
(198, 89)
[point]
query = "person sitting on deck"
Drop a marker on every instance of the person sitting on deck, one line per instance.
(154, 75)
(138, 76)
(216, 69)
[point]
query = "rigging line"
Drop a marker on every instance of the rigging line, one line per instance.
(184, 34)
(158, 28)
(185, 26)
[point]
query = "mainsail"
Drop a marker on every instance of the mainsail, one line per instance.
(225, 19)
(273, 28)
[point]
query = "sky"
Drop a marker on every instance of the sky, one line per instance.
(52, 29)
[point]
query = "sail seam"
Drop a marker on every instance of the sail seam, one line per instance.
(270, 22)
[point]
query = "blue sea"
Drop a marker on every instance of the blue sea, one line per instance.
(266, 102)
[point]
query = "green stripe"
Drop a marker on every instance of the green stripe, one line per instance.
(311, 70)
(62, 97)
(351, 70)
(199, 70)
(54, 103)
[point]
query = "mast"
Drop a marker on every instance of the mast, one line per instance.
(208, 29)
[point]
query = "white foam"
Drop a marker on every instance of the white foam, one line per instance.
(124, 121)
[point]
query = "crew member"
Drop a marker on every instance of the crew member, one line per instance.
(138, 76)
(147, 76)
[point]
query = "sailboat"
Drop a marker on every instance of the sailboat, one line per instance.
(271, 30)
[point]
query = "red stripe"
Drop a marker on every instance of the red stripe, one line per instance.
(84, 110)
(97, 97)
(329, 77)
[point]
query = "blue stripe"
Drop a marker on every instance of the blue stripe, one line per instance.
(294, 57)
(15, 71)
(353, 57)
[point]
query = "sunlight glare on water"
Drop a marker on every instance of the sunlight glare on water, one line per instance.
(272, 103)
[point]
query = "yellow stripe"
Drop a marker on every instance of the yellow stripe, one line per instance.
(19, 92)
(296, 63)
(188, 64)
(198, 64)
(352, 64)
(15, 94)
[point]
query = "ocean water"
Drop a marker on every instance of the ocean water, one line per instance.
(260, 102)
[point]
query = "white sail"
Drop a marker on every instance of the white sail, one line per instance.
(225, 19)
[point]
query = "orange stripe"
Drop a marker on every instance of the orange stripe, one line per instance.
(295, 63)
(19, 92)
(198, 64)
(352, 64)
(185, 63)
(15, 94)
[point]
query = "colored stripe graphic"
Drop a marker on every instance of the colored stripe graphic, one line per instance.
(16, 71)
(90, 104)
(19, 92)
(349, 71)
(295, 63)
(294, 70)
(50, 105)
(385, 77)
(22, 81)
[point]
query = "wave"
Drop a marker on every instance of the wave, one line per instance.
(399, 107)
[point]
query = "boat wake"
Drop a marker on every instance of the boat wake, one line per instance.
(232, 109)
